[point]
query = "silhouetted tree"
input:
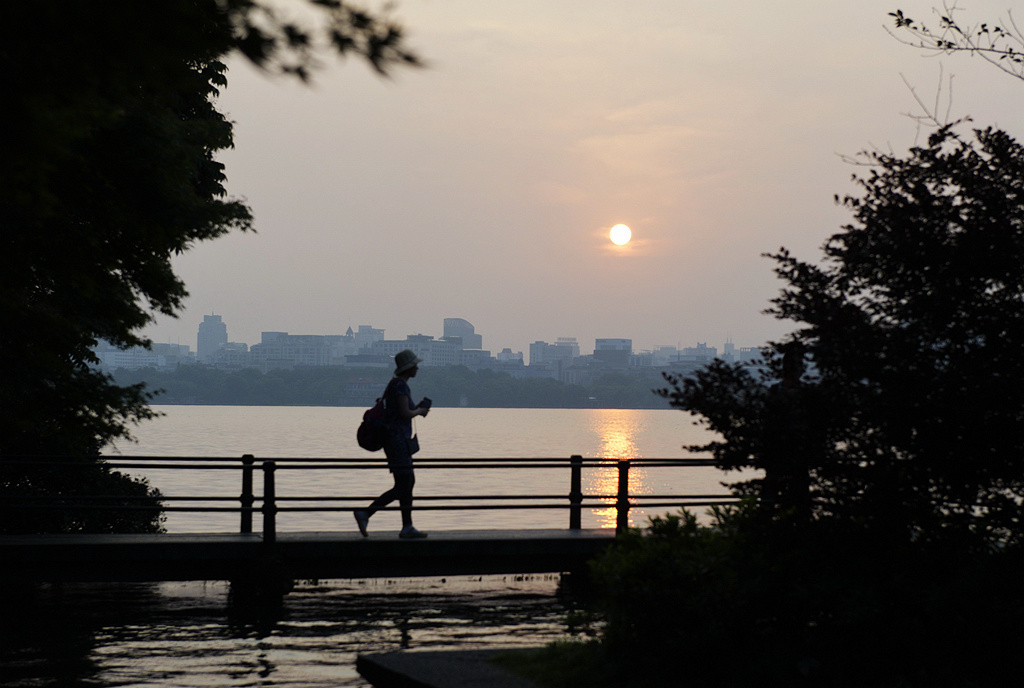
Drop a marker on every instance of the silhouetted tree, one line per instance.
(109, 171)
(912, 323)
(1000, 44)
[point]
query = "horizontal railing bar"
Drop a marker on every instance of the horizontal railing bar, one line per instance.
(650, 505)
(118, 498)
(71, 501)
(175, 466)
(418, 498)
(460, 466)
(379, 459)
(172, 466)
(454, 507)
(281, 461)
(64, 460)
(558, 461)
(119, 507)
(502, 463)
(482, 507)
(345, 498)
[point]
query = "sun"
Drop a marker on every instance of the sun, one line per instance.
(620, 235)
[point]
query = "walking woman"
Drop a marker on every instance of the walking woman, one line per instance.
(399, 445)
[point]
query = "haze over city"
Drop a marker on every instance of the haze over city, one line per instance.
(484, 186)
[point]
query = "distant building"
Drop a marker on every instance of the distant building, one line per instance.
(561, 353)
(475, 358)
(457, 327)
(283, 350)
(570, 344)
(729, 354)
(159, 356)
(506, 356)
(702, 353)
(584, 370)
(419, 344)
(231, 355)
(366, 336)
(212, 333)
(641, 359)
(613, 351)
(665, 355)
(354, 347)
(750, 354)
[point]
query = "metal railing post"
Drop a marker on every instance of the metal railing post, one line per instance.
(622, 499)
(575, 491)
(247, 499)
(269, 503)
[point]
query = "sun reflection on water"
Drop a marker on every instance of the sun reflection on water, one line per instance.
(618, 432)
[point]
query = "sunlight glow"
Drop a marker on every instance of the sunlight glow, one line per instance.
(620, 235)
(618, 431)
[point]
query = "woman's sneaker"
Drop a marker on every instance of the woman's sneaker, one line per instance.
(362, 520)
(411, 533)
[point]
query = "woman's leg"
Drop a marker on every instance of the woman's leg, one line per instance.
(401, 490)
(397, 450)
(404, 481)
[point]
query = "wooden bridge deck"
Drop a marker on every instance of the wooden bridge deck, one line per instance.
(306, 555)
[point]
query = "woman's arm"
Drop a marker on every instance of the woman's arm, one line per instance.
(405, 409)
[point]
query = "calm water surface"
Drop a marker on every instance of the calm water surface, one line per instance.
(190, 635)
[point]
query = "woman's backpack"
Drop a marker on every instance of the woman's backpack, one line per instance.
(370, 434)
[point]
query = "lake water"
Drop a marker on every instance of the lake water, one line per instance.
(178, 635)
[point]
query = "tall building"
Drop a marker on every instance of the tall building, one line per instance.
(212, 333)
(613, 351)
(729, 354)
(457, 327)
(562, 352)
(570, 344)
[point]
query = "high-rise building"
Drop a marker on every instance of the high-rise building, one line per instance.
(729, 353)
(613, 351)
(212, 333)
(569, 343)
(561, 352)
(457, 327)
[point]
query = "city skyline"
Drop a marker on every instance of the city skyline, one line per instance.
(216, 320)
(460, 344)
(487, 183)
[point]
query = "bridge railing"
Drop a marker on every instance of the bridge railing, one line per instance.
(268, 503)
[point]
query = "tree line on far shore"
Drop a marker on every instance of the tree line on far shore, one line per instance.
(347, 386)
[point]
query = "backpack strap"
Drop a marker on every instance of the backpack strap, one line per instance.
(384, 397)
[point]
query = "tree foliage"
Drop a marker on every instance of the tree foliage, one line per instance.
(1000, 44)
(109, 170)
(915, 412)
(682, 602)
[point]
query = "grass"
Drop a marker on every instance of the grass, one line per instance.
(563, 664)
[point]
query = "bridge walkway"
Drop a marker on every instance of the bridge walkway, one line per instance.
(295, 555)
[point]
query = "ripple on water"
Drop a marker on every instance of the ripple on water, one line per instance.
(190, 634)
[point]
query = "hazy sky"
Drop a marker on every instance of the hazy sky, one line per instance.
(484, 186)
